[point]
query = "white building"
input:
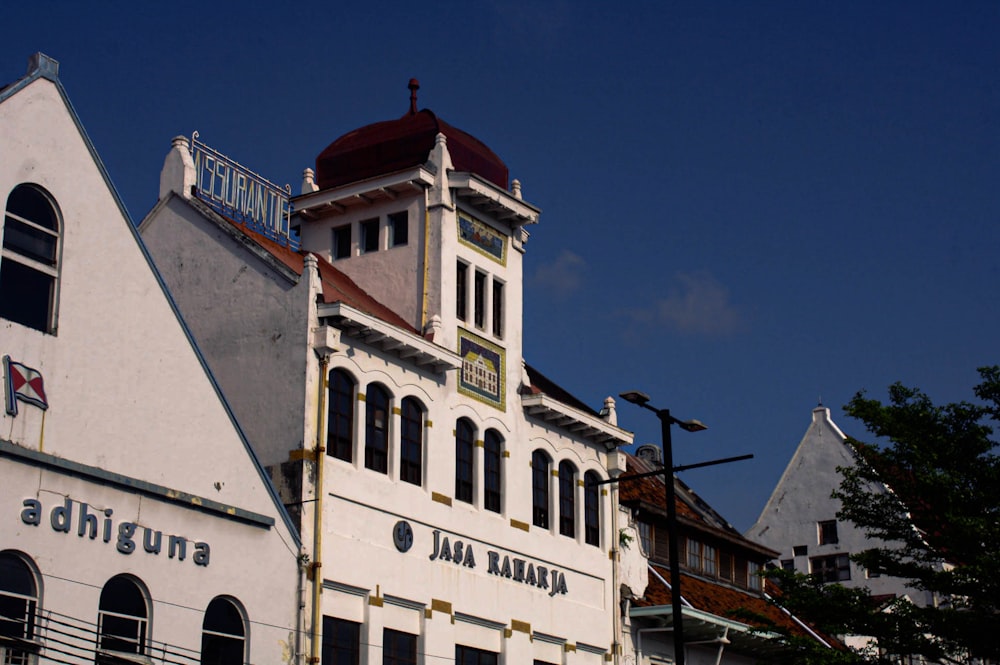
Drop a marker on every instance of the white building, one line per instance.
(800, 521)
(129, 498)
(457, 519)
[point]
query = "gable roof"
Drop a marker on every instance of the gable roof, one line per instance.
(43, 67)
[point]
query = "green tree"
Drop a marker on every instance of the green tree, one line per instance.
(938, 527)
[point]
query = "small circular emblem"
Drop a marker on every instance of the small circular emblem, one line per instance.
(402, 536)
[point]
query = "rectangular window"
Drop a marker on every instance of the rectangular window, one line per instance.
(708, 560)
(461, 290)
(479, 298)
(645, 537)
(828, 532)
(788, 564)
(693, 554)
(398, 648)
(497, 308)
(800, 550)
(468, 656)
(740, 571)
(341, 642)
(399, 229)
(342, 242)
(369, 235)
(725, 566)
(833, 568)
(753, 576)
(661, 543)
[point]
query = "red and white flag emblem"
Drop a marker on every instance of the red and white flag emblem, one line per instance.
(23, 383)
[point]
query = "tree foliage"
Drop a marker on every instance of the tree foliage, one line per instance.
(926, 492)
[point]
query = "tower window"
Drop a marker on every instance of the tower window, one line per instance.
(399, 229)
(461, 286)
(342, 242)
(340, 419)
(369, 235)
(497, 308)
(479, 298)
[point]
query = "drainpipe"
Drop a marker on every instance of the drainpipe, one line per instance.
(317, 561)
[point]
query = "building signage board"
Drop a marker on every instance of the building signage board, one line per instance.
(240, 194)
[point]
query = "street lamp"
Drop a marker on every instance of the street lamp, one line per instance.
(666, 420)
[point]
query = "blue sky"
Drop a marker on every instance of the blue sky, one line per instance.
(747, 207)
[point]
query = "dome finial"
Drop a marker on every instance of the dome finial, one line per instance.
(413, 86)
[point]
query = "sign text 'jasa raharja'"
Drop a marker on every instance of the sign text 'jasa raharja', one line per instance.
(93, 523)
(502, 565)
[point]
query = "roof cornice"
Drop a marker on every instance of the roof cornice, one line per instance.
(590, 427)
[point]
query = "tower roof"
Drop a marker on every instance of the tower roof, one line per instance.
(393, 145)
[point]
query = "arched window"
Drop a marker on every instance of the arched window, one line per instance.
(29, 263)
(18, 607)
(223, 634)
(492, 474)
(340, 416)
(377, 429)
(464, 442)
(122, 619)
(540, 472)
(591, 508)
(567, 499)
(411, 453)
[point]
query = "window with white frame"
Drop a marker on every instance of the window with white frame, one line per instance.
(122, 620)
(223, 634)
(341, 642)
(18, 609)
(833, 568)
(29, 259)
(591, 509)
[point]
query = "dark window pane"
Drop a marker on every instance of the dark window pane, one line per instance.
(492, 458)
(342, 242)
(497, 308)
(463, 460)
(25, 294)
(592, 508)
(340, 420)
(398, 648)
(341, 642)
(369, 235)
(399, 227)
(540, 489)
(461, 279)
(479, 296)
(411, 441)
(567, 499)
(377, 429)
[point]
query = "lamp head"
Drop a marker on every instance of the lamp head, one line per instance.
(691, 425)
(635, 397)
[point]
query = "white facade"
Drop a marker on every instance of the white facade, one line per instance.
(431, 538)
(800, 518)
(130, 503)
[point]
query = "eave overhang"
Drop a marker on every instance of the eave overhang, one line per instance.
(592, 428)
(487, 198)
(381, 335)
(706, 629)
(341, 200)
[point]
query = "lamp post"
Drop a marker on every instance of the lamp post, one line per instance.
(666, 420)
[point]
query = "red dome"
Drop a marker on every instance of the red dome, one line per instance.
(394, 145)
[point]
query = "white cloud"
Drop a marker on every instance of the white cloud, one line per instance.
(562, 277)
(696, 304)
